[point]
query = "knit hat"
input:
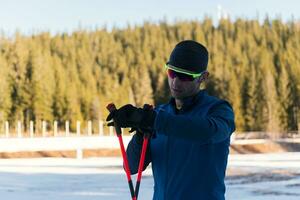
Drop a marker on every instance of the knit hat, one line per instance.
(189, 57)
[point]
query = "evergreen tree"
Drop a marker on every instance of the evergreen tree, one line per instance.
(73, 76)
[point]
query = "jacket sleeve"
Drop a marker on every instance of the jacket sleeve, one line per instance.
(215, 127)
(133, 151)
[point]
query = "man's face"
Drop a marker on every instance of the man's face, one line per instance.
(181, 89)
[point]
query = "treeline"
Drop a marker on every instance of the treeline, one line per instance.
(72, 77)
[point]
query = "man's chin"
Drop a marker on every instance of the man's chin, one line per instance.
(181, 95)
(177, 95)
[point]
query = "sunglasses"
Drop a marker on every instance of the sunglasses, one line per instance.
(183, 76)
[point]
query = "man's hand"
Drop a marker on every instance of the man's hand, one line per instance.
(133, 117)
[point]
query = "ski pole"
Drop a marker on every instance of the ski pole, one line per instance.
(142, 158)
(141, 165)
(111, 107)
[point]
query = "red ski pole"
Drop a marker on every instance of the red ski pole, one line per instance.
(111, 107)
(142, 158)
(141, 165)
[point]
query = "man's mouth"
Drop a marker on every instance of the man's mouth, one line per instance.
(176, 89)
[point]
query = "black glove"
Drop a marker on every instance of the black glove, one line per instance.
(141, 132)
(133, 117)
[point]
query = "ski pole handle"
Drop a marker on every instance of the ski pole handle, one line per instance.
(111, 108)
(147, 107)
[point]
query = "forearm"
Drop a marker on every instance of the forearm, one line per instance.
(216, 126)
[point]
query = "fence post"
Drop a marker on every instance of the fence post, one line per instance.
(7, 129)
(44, 128)
(78, 128)
(55, 128)
(79, 153)
(31, 128)
(100, 128)
(89, 128)
(19, 129)
(111, 131)
(67, 128)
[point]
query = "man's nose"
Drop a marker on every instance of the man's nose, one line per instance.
(176, 81)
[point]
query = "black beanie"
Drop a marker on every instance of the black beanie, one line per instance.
(190, 56)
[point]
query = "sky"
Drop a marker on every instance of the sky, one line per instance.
(56, 16)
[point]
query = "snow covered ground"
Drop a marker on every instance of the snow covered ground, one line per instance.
(250, 177)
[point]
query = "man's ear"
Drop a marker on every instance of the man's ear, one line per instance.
(203, 77)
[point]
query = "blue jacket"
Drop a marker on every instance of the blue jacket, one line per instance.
(189, 153)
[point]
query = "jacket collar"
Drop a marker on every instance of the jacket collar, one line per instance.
(188, 102)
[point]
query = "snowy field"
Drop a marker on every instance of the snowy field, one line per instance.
(250, 177)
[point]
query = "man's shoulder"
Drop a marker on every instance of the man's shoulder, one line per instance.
(213, 101)
(210, 99)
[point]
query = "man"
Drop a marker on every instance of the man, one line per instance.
(192, 132)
